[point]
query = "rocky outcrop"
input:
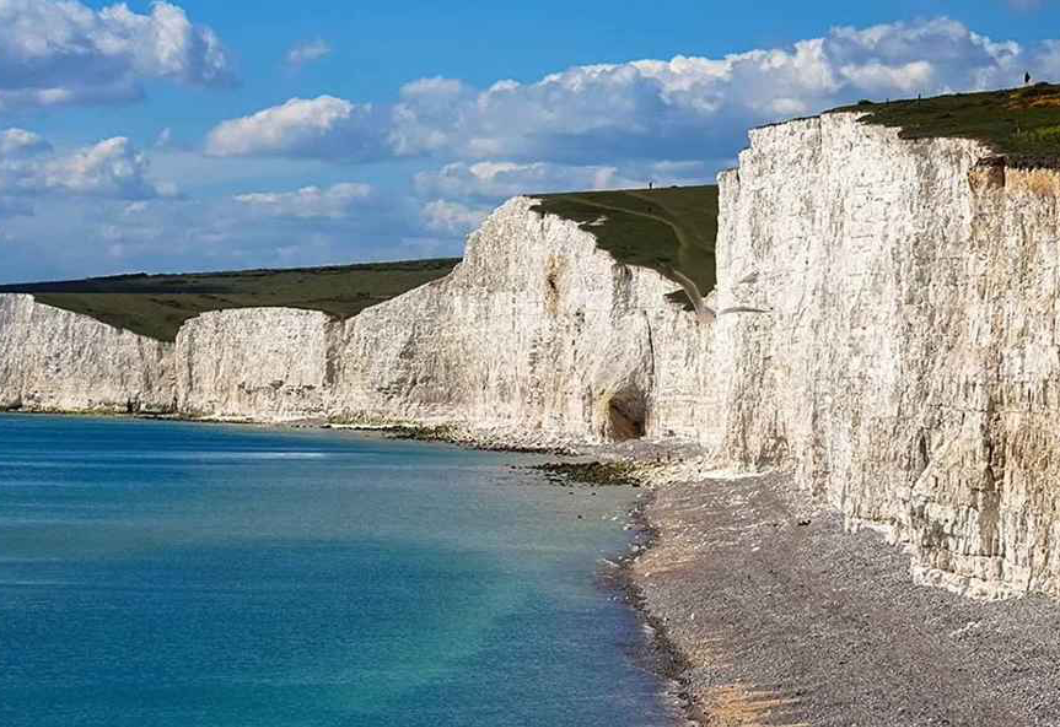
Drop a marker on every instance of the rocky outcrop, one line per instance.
(906, 367)
(54, 360)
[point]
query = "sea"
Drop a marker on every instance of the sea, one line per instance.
(175, 574)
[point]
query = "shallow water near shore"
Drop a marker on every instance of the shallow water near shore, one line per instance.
(166, 573)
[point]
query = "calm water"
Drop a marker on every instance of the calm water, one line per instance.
(156, 574)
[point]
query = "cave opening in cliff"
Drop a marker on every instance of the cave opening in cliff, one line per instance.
(627, 413)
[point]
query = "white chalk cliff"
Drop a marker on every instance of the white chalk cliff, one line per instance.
(54, 360)
(536, 337)
(908, 368)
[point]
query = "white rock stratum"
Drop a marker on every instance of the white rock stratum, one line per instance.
(908, 369)
(54, 360)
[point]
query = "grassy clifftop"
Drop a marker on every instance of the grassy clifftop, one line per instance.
(157, 305)
(1019, 122)
(669, 229)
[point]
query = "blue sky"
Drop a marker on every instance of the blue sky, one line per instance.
(190, 135)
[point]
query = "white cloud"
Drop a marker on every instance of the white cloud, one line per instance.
(323, 127)
(19, 142)
(134, 208)
(305, 53)
(429, 115)
(452, 218)
(686, 108)
(56, 52)
(879, 77)
(495, 180)
(114, 169)
(336, 202)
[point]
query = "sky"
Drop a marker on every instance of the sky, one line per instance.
(203, 135)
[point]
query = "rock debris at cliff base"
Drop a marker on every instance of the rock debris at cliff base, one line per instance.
(789, 620)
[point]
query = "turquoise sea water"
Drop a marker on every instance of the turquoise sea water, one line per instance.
(157, 574)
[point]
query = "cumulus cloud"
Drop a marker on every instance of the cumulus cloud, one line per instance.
(325, 127)
(492, 180)
(334, 202)
(113, 169)
(680, 109)
(55, 52)
(19, 142)
(429, 115)
(452, 218)
(305, 53)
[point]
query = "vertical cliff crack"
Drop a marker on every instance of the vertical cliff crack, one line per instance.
(651, 348)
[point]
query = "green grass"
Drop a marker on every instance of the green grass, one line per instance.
(157, 305)
(1019, 123)
(665, 229)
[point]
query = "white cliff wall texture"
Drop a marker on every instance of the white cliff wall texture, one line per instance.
(258, 364)
(54, 360)
(909, 370)
(537, 337)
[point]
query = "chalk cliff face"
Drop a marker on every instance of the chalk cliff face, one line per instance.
(910, 369)
(907, 369)
(263, 364)
(537, 337)
(54, 360)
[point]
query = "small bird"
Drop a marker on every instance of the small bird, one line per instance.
(704, 312)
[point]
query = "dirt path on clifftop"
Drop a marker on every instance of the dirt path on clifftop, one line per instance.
(790, 621)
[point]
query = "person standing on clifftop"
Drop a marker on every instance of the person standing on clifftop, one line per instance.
(1027, 78)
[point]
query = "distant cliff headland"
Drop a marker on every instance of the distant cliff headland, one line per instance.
(885, 284)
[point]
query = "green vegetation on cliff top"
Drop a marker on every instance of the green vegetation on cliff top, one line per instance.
(1021, 123)
(667, 229)
(157, 305)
